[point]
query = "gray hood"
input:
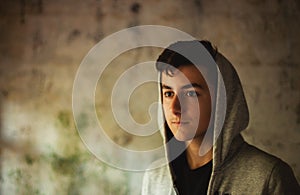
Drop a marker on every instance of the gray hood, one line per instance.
(237, 114)
(229, 116)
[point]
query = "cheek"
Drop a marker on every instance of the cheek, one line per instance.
(203, 105)
(165, 109)
(191, 105)
(205, 110)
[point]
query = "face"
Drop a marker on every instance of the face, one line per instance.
(185, 95)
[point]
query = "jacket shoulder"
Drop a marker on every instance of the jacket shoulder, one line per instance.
(258, 158)
(253, 171)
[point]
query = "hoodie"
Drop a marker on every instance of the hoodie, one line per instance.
(238, 168)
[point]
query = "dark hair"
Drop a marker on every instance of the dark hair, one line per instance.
(170, 57)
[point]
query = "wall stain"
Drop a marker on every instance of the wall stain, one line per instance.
(65, 165)
(37, 41)
(99, 18)
(64, 118)
(199, 5)
(29, 159)
(73, 35)
(22, 179)
(123, 139)
(30, 7)
(135, 8)
(82, 121)
(4, 92)
(37, 82)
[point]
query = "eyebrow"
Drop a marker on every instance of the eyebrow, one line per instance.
(190, 85)
(165, 86)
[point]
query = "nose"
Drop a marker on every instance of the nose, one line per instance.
(175, 106)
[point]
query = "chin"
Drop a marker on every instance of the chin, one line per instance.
(183, 137)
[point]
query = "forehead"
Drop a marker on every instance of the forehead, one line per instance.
(183, 75)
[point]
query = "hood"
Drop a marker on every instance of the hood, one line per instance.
(236, 117)
(229, 116)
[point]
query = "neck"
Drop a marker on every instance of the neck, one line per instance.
(192, 154)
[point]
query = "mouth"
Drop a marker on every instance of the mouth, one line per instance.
(179, 123)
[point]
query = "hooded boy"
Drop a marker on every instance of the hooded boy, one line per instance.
(204, 111)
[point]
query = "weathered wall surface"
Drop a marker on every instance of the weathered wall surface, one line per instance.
(43, 42)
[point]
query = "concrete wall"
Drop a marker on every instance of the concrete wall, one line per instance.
(43, 42)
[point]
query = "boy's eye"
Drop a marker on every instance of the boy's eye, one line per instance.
(192, 94)
(168, 94)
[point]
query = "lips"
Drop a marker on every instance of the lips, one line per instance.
(179, 122)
